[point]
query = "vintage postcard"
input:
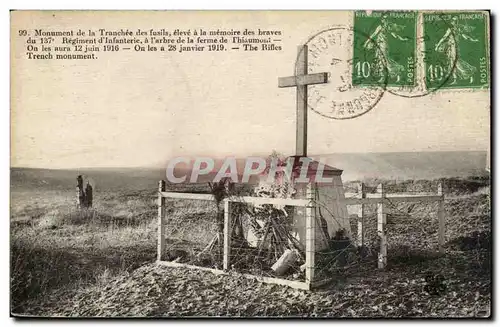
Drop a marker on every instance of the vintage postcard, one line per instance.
(250, 164)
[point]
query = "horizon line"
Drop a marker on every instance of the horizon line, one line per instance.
(156, 166)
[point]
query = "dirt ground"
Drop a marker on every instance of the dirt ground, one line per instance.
(64, 263)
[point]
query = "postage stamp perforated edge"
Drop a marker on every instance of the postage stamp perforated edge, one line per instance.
(420, 77)
(460, 88)
(392, 85)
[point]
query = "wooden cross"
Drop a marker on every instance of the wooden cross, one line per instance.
(301, 81)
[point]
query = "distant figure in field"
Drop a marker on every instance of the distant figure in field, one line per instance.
(88, 195)
(84, 195)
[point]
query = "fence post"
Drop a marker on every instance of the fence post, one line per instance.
(441, 219)
(227, 234)
(310, 235)
(361, 214)
(381, 221)
(161, 220)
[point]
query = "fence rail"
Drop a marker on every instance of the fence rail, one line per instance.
(374, 198)
(359, 199)
(381, 199)
(245, 199)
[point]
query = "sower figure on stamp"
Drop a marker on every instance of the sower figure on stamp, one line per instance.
(449, 44)
(381, 35)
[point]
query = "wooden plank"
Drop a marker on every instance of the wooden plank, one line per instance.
(371, 198)
(441, 219)
(161, 220)
(426, 195)
(242, 199)
(227, 235)
(310, 238)
(403, 195)
(301, 114)
(270, 280)
(354, 201)
(381, 221)
(361, 215)
(185, 265)
(188, 196)
(278, 281)
(309, 79)
(278, 201)
(391, 199)
(350, 195)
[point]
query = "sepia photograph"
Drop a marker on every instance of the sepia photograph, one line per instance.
(250, 164)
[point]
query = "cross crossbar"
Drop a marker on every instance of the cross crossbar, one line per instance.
(301, 81)
(289, 81)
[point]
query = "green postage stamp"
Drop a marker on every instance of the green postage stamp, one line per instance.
(384, 48)
(456, 50)
(454, 53)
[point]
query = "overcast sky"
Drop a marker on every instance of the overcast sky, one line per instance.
(140, 109)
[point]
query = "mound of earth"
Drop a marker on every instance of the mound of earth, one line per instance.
(154, 290)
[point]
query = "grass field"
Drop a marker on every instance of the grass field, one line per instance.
(99, 262)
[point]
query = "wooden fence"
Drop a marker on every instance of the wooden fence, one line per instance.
(382, 199)
(359, 199)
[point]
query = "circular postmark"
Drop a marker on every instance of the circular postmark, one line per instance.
(331, 51)
(433, 62)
